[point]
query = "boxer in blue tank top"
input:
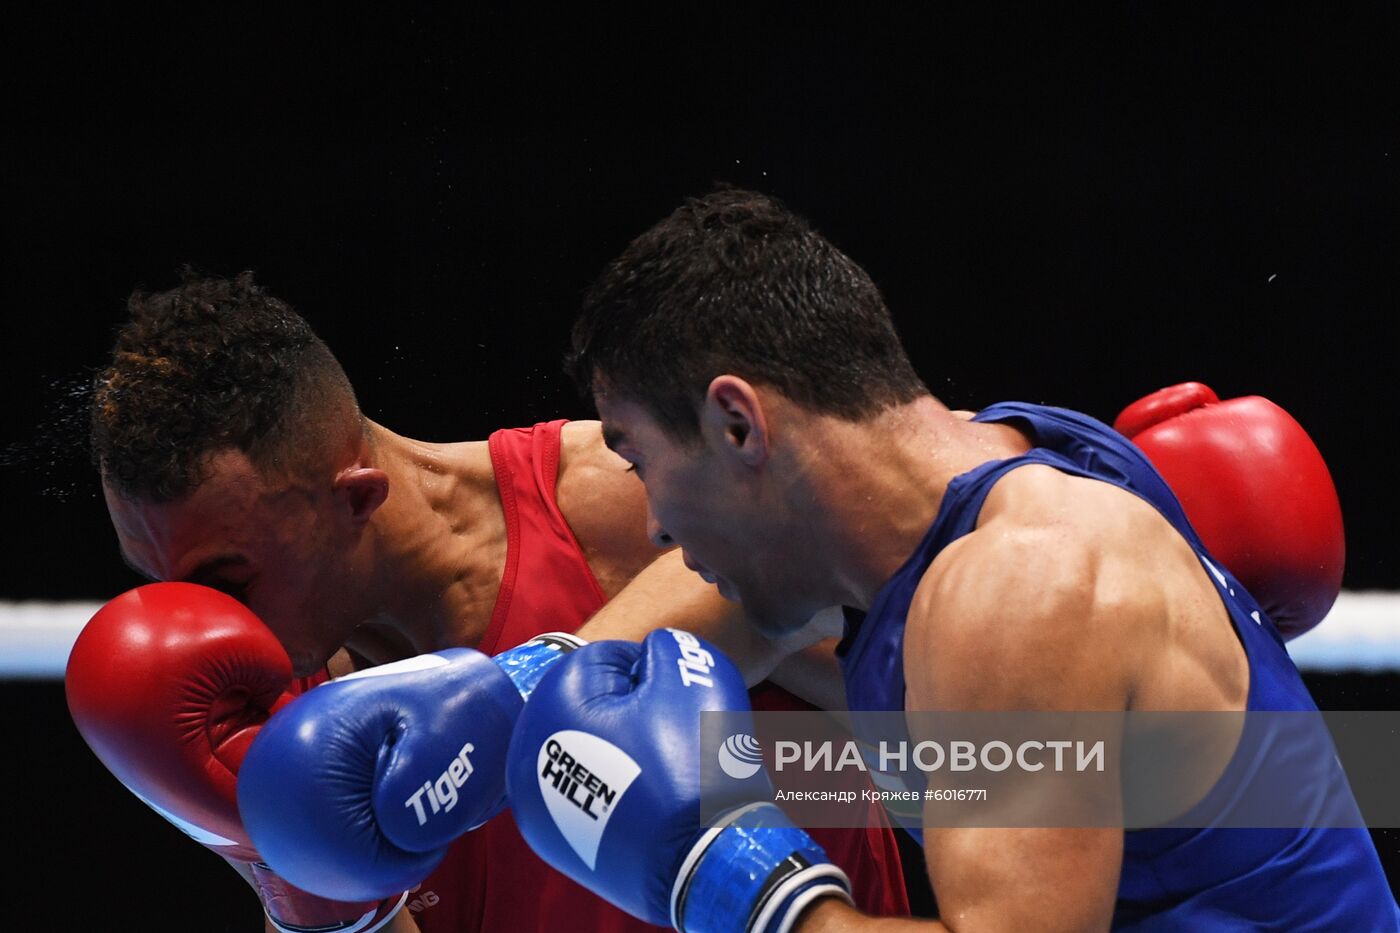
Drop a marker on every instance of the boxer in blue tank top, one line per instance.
(1026, 558)
(1172, 879)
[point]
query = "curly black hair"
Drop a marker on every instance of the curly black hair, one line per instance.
(734, 282)
(213, 364)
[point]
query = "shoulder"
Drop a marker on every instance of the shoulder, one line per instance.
(604, 504)
(1042, 606)
(581, 444)
(589, 472)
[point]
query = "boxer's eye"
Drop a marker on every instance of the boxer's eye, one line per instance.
(230, 573)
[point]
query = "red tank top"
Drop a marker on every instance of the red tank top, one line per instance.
(490, 880)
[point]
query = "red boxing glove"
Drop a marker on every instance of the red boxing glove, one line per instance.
(1257, 491)
(169, 683)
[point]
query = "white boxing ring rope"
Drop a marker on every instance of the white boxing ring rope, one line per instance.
(1361, 633)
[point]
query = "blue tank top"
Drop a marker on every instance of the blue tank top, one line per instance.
(1171, 879)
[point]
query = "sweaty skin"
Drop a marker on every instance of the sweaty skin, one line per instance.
(399, 546)
(1070, 594)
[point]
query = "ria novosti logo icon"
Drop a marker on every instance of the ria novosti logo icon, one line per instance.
(740, 756)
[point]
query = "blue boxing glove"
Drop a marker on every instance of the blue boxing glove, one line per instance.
(363, 782)
(604, 776)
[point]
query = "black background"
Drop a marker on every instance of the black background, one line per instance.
(1065, 204)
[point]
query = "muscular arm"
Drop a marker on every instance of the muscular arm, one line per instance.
(666, 593)
(1017, 629)
(812, 673)
(1010, 621)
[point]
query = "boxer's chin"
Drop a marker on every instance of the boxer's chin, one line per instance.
(771, 621)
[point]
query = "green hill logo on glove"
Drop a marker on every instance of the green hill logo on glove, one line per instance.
(582, 778)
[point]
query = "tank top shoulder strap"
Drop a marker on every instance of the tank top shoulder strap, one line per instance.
(547, 584)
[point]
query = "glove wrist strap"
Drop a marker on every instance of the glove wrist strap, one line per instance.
(527, 664)
(756, 872)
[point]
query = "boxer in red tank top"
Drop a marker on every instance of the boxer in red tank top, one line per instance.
(357, 546)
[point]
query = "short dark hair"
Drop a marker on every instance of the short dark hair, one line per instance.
(214, 364)
(734, 282)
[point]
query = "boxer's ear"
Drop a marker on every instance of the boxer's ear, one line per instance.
(733, 414)
(360, 490)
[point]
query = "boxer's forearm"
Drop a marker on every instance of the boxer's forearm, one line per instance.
(813, 675)
(668, 595)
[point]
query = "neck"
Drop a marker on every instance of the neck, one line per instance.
(878, 484)
(438, 542)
